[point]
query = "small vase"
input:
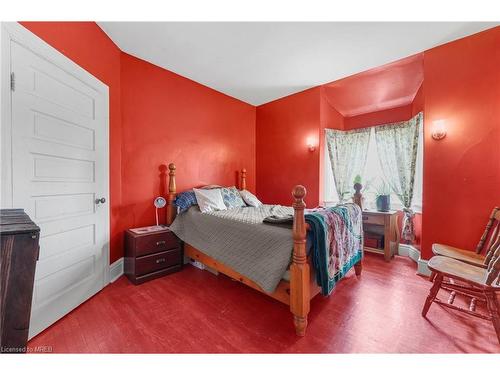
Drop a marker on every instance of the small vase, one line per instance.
(383, 203)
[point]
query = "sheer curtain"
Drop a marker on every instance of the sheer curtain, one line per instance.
(397, 146)
(347, 151)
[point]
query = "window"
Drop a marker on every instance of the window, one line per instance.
(373, 176)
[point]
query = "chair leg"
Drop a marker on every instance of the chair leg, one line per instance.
(438, 279)
(432, 276)
(494, 310)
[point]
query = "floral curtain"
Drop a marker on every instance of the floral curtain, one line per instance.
(397, 150)
(347, 151)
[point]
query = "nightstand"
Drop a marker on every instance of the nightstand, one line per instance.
(151, 255)
(381, 228)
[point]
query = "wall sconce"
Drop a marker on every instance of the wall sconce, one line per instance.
(311, 144)
(438, 130)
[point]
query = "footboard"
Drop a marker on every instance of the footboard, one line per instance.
(300, 282)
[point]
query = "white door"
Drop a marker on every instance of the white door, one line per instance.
(60, 177)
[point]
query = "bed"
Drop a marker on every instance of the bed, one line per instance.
(260, 253)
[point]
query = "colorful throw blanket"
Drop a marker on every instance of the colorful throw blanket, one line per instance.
(337, 242)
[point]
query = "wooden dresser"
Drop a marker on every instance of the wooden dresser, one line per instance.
(18, 255)
(151, 255)
(382, 225)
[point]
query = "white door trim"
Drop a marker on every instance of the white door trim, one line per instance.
(13, 31)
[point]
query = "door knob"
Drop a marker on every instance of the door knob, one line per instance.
(100, 200)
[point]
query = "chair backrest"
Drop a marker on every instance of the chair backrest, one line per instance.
(491, 233)
(494, 267)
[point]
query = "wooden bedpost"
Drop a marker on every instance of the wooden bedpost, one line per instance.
(171, 194)
(299, 270)
(243, 179)
(357, 199)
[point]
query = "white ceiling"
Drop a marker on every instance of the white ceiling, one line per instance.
(258, 62)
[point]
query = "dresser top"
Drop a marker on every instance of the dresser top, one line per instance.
(16, 221)
(375, 212)
(145, 231)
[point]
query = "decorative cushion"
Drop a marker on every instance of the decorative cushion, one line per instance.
(250, 199)
(232, 197)
(185, 200)
(209, 200)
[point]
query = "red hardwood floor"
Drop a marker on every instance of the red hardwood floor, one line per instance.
(194, 311)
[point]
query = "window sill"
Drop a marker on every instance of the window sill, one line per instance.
(394, 206)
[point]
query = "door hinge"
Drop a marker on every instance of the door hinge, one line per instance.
(12, 82)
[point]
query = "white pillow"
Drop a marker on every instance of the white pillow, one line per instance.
(250, 199)
(209, 200)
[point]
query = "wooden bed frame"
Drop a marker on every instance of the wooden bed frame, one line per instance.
(302, 286)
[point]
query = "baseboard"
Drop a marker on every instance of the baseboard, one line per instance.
(414, 254)
(115, 270)
(422, 268)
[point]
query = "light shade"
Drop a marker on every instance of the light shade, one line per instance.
(311, 143)
(438, 129)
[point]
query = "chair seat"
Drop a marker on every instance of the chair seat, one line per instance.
(460, 254)
(459, 270)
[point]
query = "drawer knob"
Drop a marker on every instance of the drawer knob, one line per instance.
(161, 260)
(365, 217)
(159, 243)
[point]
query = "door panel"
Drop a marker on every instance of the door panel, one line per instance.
(58, 243)
(58, 130)
(59, 168)
(63, 94)
(60, 206)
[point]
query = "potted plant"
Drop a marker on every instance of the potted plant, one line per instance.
(383, 198)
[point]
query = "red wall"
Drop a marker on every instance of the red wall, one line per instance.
(168, 118)
(379, 118)
(283, 159)
(87, 45)
(156, 117)
(417, 104)
(330, 118)
(462, 171)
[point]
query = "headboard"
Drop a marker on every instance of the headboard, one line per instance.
(172, 191)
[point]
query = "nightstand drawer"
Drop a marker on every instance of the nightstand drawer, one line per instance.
(154, 243)
(373, 219)
(158, 261)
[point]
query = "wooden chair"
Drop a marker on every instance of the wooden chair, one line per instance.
(491, 233)
(475, 282)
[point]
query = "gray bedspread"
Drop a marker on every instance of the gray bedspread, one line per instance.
(239, 239)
